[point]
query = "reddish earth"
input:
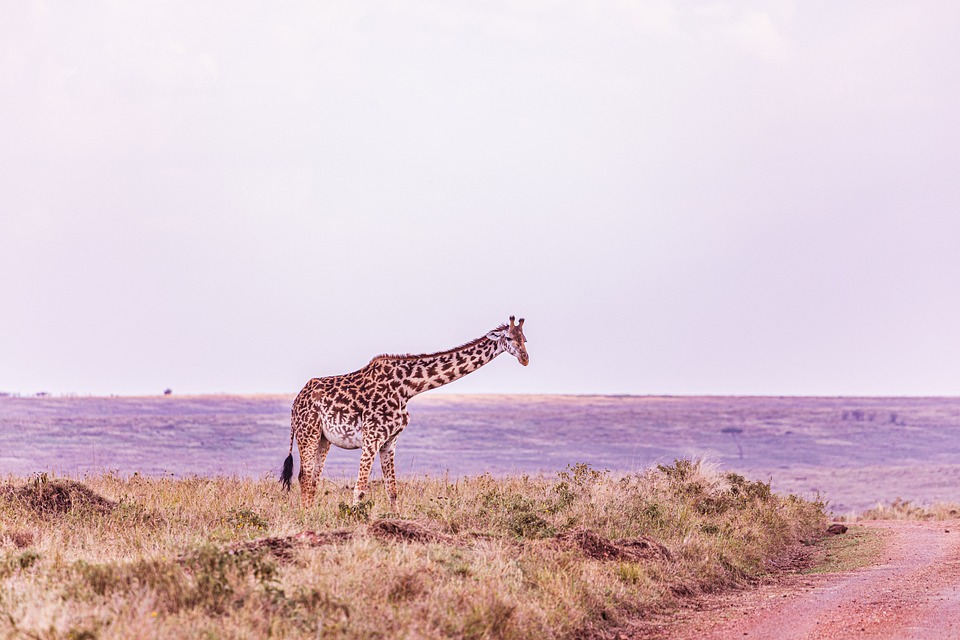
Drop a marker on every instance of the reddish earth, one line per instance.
(913, 591)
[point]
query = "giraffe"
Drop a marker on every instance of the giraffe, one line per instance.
(367, 409)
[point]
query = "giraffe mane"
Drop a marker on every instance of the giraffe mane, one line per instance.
(415, 356)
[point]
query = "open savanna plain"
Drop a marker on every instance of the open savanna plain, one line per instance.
(519, 516)
(852, 452)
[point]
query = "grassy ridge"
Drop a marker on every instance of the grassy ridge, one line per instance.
(567, 556)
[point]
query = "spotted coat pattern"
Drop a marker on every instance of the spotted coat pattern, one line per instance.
(367, 409)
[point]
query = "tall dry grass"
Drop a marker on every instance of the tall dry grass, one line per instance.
(568, 556)
(906, 510)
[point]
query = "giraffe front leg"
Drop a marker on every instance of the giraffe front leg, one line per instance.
(389, 471)
(363, 476)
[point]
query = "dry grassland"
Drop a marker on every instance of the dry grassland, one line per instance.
(576, 555)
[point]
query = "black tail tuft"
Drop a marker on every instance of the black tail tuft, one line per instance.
(287, 474)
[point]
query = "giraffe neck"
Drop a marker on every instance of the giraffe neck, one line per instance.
(424, 372)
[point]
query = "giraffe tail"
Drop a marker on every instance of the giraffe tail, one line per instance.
(287, 475)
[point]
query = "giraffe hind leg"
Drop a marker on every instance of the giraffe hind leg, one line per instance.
(307, 476)
(312, 459)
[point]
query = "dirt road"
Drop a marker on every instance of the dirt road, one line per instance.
(912, 592)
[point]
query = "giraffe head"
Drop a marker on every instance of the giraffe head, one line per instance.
(511, 338)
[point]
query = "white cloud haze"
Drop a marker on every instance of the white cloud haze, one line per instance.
(679, 196)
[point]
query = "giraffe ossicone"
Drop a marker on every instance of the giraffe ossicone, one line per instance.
(367, 409)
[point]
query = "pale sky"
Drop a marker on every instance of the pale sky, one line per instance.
(680, 197)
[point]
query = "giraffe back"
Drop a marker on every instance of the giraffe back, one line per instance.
(345, 407)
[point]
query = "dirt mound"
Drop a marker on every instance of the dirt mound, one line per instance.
(47, 497)
(19, 538)
(645, 547)
(388, 529)
(282, 546)
(595, 546)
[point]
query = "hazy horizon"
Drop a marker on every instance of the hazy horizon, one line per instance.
(450, 393)
(681, 198)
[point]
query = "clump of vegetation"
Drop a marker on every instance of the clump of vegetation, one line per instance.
(46, 496)
(905, 510)
(575, 554)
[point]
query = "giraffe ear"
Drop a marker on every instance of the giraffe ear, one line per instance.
(495, 335)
